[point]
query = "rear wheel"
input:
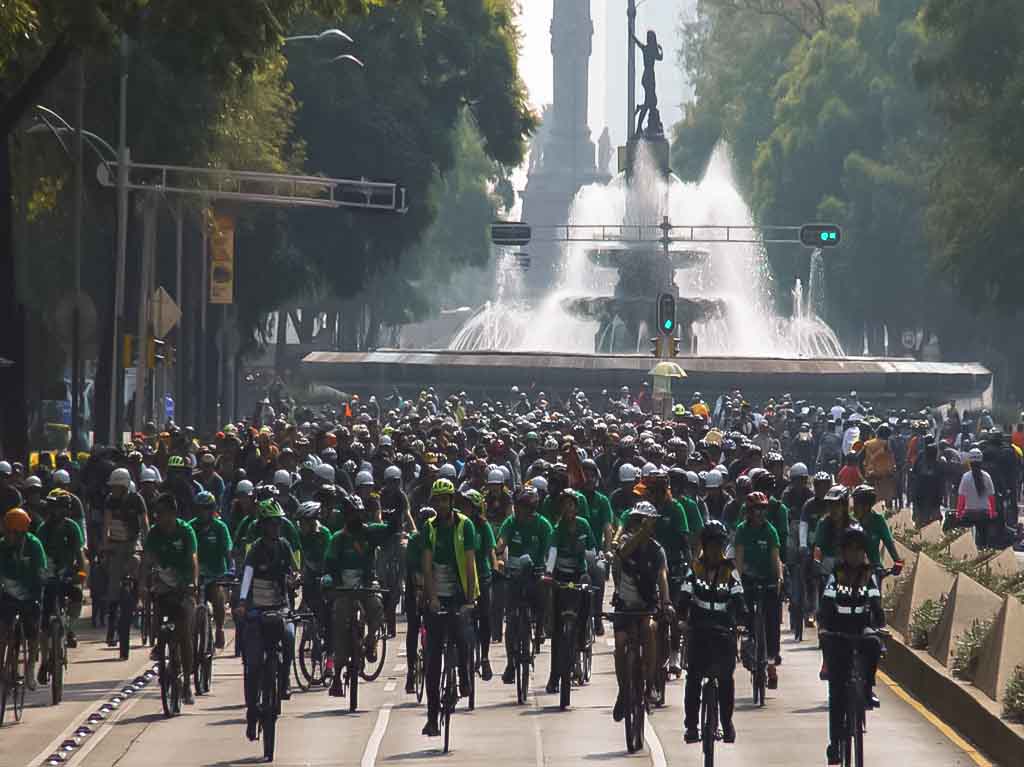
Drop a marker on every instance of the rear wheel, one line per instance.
(630, 718)
(58, 657)
(709, 722)
(421, 675)
(7, 672)
(20, 659)
(370, 673)
(125, 615)
(199, 646)
(448, 696)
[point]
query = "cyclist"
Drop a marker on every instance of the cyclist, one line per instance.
(571, 542)
(523, 539)
(267, 575)
(623, 497)
(830, 528)
(63, 543)
(125, 526)
(758, 561)
(396, 514)
(640, 570)
(414, 595)
(170, 551)
(180, 484)
(472, 504)
(813, 511)
(214, 552)
(850, 604)
(248, 530)
(450, 581)
(712, 600)
(349, 565)
(602, 522)
(22, 573)
(876, 529)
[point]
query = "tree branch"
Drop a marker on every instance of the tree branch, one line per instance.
(760, 7)
(14, 108)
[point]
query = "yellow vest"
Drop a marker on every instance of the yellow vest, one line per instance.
(471, 590)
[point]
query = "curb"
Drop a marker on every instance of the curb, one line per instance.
(957, 703)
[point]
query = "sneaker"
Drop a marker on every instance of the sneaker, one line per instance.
(778, 660)
(552, 687)
(286, 693)
(832, 753)
(690, 735)
(186, 697)
(508, 676)
(430, 729)
(728, 732)
(773, 678)
(823, 673)
(336, 691)
(218, 640)
(871, 700)
(30, 682)
(370, 652)
(485, 670)
(619, 710)
(44, 675)
(598, 627)
(809, 622)
(72, 639)
(250, 728)
(674, 666)
(410, 684)
(329, 667)
(154, 654)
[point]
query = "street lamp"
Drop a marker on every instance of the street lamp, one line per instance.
(329, 34)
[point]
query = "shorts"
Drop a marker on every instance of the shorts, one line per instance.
(626, 622)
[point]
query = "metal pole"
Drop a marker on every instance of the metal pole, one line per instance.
(143, 332)
(123, 159)
(79, 204)
(631, 67)
(202, 347)
(179, 334)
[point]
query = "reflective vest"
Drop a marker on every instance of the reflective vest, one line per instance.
(471, 590)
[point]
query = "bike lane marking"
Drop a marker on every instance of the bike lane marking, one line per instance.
(657, 752)
(377, 737)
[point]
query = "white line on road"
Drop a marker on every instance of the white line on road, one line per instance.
(400, 668)
(373, 745)
(610, 642)
(657, 752)
(539, 743)
(390, 686)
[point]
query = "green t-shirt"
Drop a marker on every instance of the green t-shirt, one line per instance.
(314, 548)
(486, 540)
(62, 543)
(694, 519)
(671, 529)
(757, 543)
(600, 514)
(22, 568)
(248, 532)
(349, 558)
(571, 545)
(172, 554)
(549, 508)
(877, 531)
(444, 545)
(414, 553)
(214, 546)
(529, 537)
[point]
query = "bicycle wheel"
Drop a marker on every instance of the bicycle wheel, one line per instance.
(353, 683)
(57, 657)
(640, 706)
(587, 653)
(448, 693)
(370, 674)
(629, 720)
(566, 661)
(421, 675)
(21, 658)
(709, 722)
(856, 720)
(146, 623)
(7, 674)
(523, 667)
(303, 664)
(271, 705)
(199, 646)
(164, 674)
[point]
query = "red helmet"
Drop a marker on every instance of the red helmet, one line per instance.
(757, 499)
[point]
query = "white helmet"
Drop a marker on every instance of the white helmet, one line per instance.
(713, 479)
(364, 479)
(692, 478)
(309, 510)
(325, 472)
(244, 488)
(627, 473)
(798, 470)
(33, 481)
(392, 472)
(282, 477)
(447, 471)
(61, 477)
(6, 469)
(120, 478)
(648, 469)
(149, 474)
(495, 477)
(385, 441)
(506, 473)
(540, 484)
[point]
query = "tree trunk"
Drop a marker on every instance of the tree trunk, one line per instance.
(13, 423)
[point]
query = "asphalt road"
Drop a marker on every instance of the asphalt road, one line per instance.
(317, 730)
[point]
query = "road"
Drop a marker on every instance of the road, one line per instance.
(317, 730)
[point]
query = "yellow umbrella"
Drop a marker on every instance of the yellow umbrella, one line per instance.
(668, 370)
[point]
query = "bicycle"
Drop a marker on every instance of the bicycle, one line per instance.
(569, 645)
(269, 703)
(171, 670)
(635, 693)
(759, 662)
(355, 664)
(710, 732)
(449, 692)
(57, 630)
(519, 630)
(312, 649)
(203, 638)
(12, 685)
(855, 716)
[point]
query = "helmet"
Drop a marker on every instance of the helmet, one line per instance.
(714, 530)
(865, 494)
(757, 500)
(447, 471)
(839, 493)
(205, 499)
(648, 470)
(266, 492)
(353, 502)
(691, 477)
(282, 477)
(17, 520)
(149, 474)
(6, 469)
(853, 534)
(119, 478)
(495, 477)
(244, 488)
(364, 479)
(309, 510)
(176, 462)
(570, 493)
(33, 481)
(823, 476)
(744, 484)
(427, 512)
(442, 487)
(61, 477)
(540, 484)
(764, 481)
(643, 509)
(59, 498)
(774, 458)
(392, 472)
(713, 479)
(528, 495)
(329, 454)
(627, 473)
(270, 509)
(325, 472)
(798, 471)
(975, 456)
(474, 497)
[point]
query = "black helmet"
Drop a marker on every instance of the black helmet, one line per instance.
(865, 494)
(764, 481)
(823, 476)
(853, 534)
(838, 493)
(714, 530)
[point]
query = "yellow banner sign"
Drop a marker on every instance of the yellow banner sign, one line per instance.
(222, 260)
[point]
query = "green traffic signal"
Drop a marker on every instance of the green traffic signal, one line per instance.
(820, 235)
(668, 324)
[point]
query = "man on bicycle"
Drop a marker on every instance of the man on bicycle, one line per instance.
(214, 553)
(22, 574)
(125, 526)
(523, 541)
(170, 551)
(640, 571)
(850, 604)
(571, 541)
(349, 567)
(812, 512)
(63, 543)
(602, 522)
(414, 595)
(450, 582)
(396, 514)
(759, 562)
(712, 602)
(876, 529)
(268, 573)
(472, 504)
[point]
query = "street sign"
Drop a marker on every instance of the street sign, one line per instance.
(166, 313)
(510, 233)
(820, 235)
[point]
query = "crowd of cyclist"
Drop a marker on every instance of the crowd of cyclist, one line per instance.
(699, 519)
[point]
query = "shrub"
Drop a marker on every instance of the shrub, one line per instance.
(968, 650)
(1013, 703)
(925, 618)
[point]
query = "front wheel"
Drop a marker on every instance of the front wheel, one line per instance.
(709, 723)
(566, 661)
(271, 706)
(58, 657)
(353, 684)
(370, 673)
(421, 675)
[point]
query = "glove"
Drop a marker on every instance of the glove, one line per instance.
(897, 567)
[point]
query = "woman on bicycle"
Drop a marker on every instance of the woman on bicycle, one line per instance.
(712, 603)
(22, 570)
(214, 542)
(850, 604)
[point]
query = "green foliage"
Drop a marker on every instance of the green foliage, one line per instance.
(925, 618)
(968, 650)
(1013, 702)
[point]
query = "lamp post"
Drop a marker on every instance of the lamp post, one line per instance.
(328, 34)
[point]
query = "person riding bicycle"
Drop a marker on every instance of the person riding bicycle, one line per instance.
(414, 595)
(830, 528)
(602, 522)
(450, 582)
(268, 572)
(876, 529)
(640, 574)
(63, 543)
(125, 526)
(523, 541)
(396, 514)
(170, 551)
(813, 511)
(572, 543)
(758, 561)
(22, 579)
(248, 530)
(180, 484)
(214, 553)
(711, 602)
(315, 539)
(349, 566)
(473, 504)
(850, 604)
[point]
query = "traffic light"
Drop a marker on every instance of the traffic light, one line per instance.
(510, 234)
(128, 351)
(154, 352)
(673, 346)
(820, 235)
(666, 314)
(656, 345)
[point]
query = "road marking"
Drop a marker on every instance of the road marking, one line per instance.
(538, 743)
(939, 725)
(657, 752)
(400, 668)
(390, 686)
(373, 745)
(610, 642)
